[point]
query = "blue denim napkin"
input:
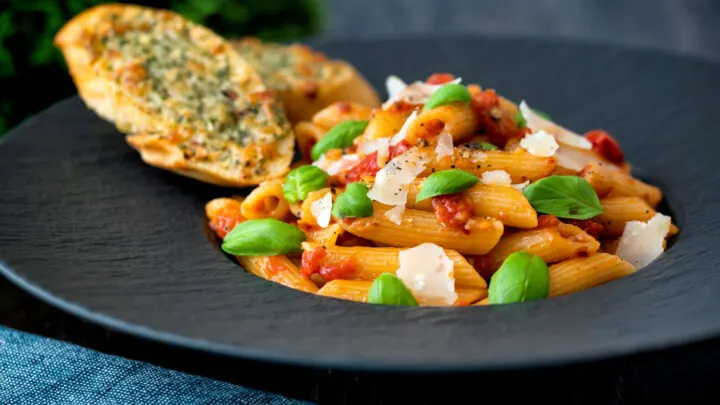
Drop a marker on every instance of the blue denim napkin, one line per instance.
(38, 370)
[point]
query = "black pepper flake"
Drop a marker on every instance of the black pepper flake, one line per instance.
(477, 166)
(452, 166)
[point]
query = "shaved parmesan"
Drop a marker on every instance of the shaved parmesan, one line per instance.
(394, 86)
(394, 215)
(397, 138)
(521, 186)
(576, 159)
(444, 146)
(642, 242)
(334, 167)
(392, 181)
(496, 177)
(428, 272)
(563, 135)
(380, 145)
(415, 93)
(539, 144)
(321, 208)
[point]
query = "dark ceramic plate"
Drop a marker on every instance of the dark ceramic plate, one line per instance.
(86, 226)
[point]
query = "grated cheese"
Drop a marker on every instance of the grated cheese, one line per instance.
(444, 146)
(428, 273)
(392, 181)
(321, 208)
(540, 144)
(642, 242)
(496, 177)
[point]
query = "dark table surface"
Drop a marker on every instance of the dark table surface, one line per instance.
(682, 375)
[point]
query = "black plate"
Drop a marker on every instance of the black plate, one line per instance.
(86, 226)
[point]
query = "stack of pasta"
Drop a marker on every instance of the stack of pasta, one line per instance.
(446, 195)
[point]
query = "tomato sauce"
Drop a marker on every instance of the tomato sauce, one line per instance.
(453, 210)
(491, 120)
(592, 228)
(606, 146)
(440, 78)
(275, 265)
(547, 221)
(368, 166)
(316, 261)
(226, 220)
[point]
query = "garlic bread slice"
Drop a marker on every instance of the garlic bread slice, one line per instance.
(187, 100)
(306, 80)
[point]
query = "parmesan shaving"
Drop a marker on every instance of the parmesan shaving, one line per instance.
(540, 144)
(642, 242)
(392, 181)
(521, 186)
(334, 167)
(563, 135)
(428, 273)
(395, 215)
(321, 208)
(496, 177)
(397, 138)
(394, 86)
(444, 146)
(415, 93)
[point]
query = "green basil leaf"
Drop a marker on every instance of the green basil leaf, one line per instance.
(353, 203)
(520, 120)
(340, 136)
(488, 146)
(263, 237)
(299, 182)
(446, 94)
(522, 277)
(540, 113)
(564, 196)
(446, 182)
(388, 289)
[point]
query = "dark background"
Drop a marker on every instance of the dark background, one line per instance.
(32, 76)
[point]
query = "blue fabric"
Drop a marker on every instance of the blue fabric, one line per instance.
(38, 370)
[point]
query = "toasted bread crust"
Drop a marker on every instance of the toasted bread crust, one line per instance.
(171, 104)
(306, 80)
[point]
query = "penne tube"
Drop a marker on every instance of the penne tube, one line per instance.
(484, 301)
(306, 215)
(279, 269)
(307, 135)
(617, 211)
(609, 182)
(520, 165)
(385, 123)
(488, 200)
(418, 227)
(552, 244)
(579, 274)
(357, 290)
(266, 201)
(456, 119)
(374, 261)
(338, 112)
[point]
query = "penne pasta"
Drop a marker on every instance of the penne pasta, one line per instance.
(385, 123)
(338, 112)
(484, 301)
(373, 261)
(279, 269)
(617, 211)
(420, 226)
(456, 119)
(579, 274)
(266, 201)
(357, 290)
(520, 165)
(488, 200)
(608, 182)
(324, 236)
(306, 215)
(552, 244)
(307, 134)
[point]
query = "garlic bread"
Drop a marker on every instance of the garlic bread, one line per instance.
(306, 80)
(187, 100)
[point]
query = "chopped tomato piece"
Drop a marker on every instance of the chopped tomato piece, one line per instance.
(316, 261)
(592, 228)
(547, 221)
(453, 210)
(497, 126)
(367, 167)
(605, 145)
(399, 148)
(440, 78)
(484, 265)
(226, 220)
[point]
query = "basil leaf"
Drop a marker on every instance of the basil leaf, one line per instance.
(446, 182)
(564, 196)
(263, 237)
(388, 289)
(299, 182)
(520, 120)
(340, 136)
(353, 203)
(487, 146)
(540, 113)
(522, 277)
(446, 94)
